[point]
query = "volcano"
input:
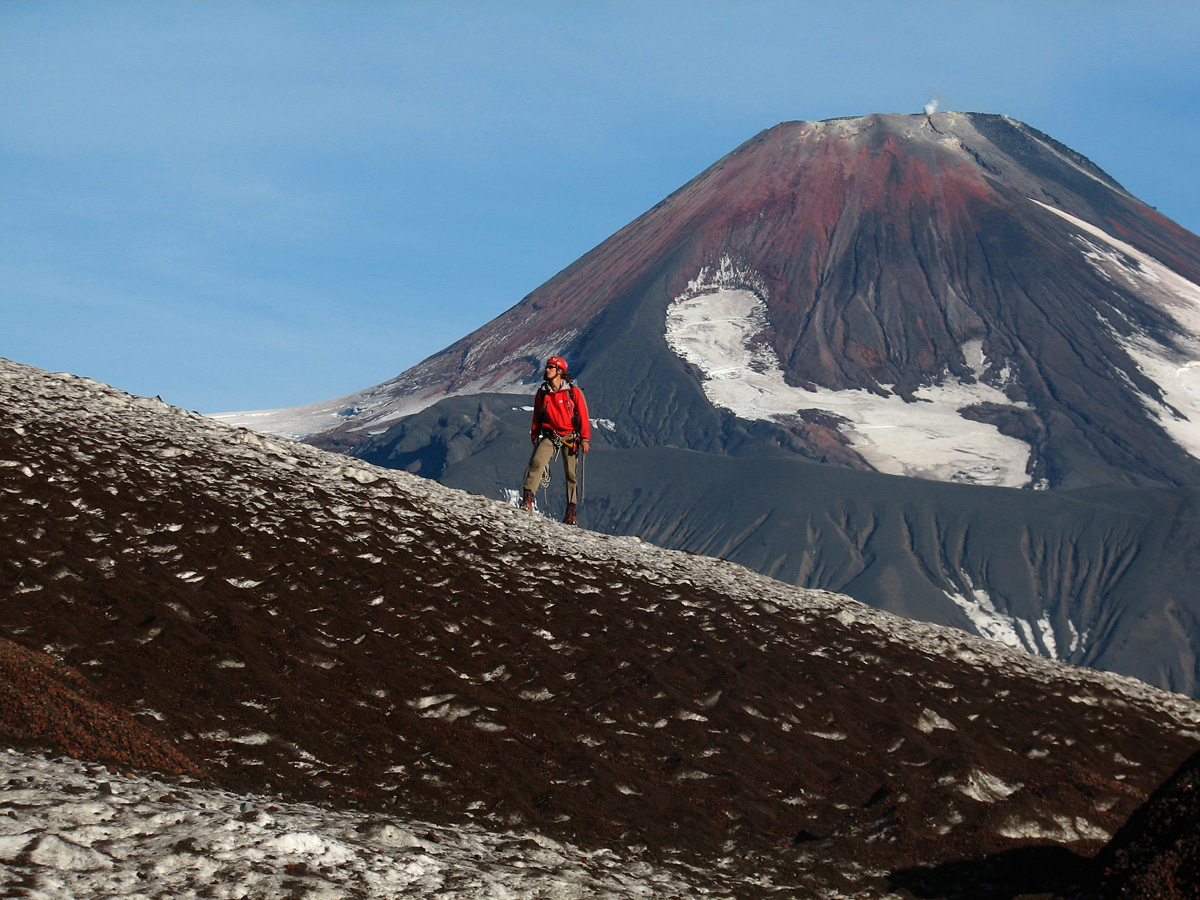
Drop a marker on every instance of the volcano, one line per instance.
(942, 363)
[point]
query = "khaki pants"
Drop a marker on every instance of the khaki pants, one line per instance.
(542, 455)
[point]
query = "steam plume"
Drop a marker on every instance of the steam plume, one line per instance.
(935, 100)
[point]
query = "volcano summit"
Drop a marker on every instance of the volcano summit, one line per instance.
(826, 357)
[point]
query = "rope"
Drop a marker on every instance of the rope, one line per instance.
(546, 479)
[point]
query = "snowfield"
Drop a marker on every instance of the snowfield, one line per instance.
(718, 329)
(1175, 369)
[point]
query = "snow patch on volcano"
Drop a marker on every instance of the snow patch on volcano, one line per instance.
(1175, 369)
(720, 331)
(1035, 637)
(989, 622)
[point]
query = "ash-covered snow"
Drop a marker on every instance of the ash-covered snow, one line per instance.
(470, 513)
(69, 829)
(718, 328)
(1175, 369)
(626, 605)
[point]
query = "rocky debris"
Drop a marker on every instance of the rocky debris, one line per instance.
(1156, 854)
(46, 703)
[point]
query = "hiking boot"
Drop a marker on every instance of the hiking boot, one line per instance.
(569, 515)
(527, 500)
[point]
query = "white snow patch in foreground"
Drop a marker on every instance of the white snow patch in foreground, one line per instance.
(1062, 830)
(1176, 370)
(987, 788)
(930, 721)
(71, 830)
(718, 331)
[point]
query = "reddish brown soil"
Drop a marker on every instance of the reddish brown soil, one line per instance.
(1156, 854)
(46, 703)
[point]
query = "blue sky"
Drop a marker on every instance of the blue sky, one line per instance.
(250, 205)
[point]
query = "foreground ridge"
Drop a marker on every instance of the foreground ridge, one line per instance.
(319, 628)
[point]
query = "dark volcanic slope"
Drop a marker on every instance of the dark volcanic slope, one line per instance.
(313, 625)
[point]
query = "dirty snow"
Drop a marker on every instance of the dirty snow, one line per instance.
(70, 829)
(642, 560)
(718, 329)
(110, 408)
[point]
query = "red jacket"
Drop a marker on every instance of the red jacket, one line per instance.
(562, 411)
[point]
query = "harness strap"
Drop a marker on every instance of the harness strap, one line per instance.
(573, 398)
(570, 441)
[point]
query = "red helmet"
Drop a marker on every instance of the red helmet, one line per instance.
(558, 362)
